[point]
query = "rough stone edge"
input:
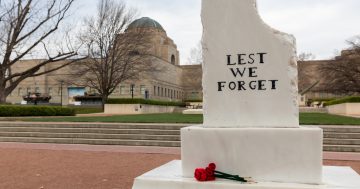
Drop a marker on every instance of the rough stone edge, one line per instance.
(290, 41)
(286, 38)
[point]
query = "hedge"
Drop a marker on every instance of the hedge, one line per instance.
(24, 111)
(321, 99)
(143, 101)
(194, 100)
(355, 99)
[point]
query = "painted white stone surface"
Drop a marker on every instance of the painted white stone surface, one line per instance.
(169, 176)
(350, 109)
(193, 111)
(265, 154)
(137, 109)
(233, 27)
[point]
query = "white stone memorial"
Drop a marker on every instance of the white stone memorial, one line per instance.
(249, 71)
(251, 122)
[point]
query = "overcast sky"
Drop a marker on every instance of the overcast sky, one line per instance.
(320, 26)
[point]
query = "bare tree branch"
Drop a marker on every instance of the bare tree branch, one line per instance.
(115, 54)
(343, 75)
(24, 25)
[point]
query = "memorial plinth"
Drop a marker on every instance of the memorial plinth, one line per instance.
(169, 176)
(251, 117)
(265, 154)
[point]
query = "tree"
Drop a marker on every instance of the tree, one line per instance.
(115, 54)
(306, 82)
(343, 74)
(25, 25)
(306, 56)
(196, 55)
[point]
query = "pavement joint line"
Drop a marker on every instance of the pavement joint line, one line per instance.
(91, 148)
(344, 156)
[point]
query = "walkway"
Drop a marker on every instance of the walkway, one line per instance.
(53, 166)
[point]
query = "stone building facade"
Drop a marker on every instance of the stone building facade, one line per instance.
(314, 82)
(173, 82)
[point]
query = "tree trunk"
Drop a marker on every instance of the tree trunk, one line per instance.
(2, 95)
(104, 99)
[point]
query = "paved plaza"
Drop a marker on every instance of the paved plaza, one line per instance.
(53, 166)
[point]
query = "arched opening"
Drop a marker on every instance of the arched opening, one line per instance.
(173, 60)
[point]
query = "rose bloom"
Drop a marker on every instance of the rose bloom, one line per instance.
(212, 166)
(200, 174)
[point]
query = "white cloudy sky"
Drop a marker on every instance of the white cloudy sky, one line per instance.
(320, 26)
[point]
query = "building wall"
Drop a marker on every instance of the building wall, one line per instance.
(166, 83)
(310, 73)
(171, 81)
(192, 81)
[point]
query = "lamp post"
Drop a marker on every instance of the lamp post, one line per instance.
(132, 90)
(146, 94)
(61, 92)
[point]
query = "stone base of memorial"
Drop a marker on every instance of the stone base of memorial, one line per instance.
(169, 176)
(292, 155)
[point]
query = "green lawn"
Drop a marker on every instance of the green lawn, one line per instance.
(327, 119)
(305, 119)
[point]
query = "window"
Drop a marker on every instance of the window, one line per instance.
(20, 92)
(158, 92)
(166, 92)
(154, 90)
(173, 60)
(123, 90)
(162, 91)
(142, 89)
(28, 90)
(37, 90)
(50, 90)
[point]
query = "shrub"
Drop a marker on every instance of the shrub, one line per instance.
(143, 101)
(24, 111)
(320, 100)
(355, 99)
(195, 100)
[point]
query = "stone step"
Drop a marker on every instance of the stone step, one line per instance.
(342, 135)
(342, 148)
(331, 141)
(342, 129)
(96, 125)
(90, 130)
(91, 136)
(91, 141)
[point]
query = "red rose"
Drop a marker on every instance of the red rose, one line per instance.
(200, 174)
(209, 172)
(212, 178)
(212, 166)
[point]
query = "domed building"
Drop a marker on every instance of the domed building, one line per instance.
(163, 46)
(168, 83)
(172, 83)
